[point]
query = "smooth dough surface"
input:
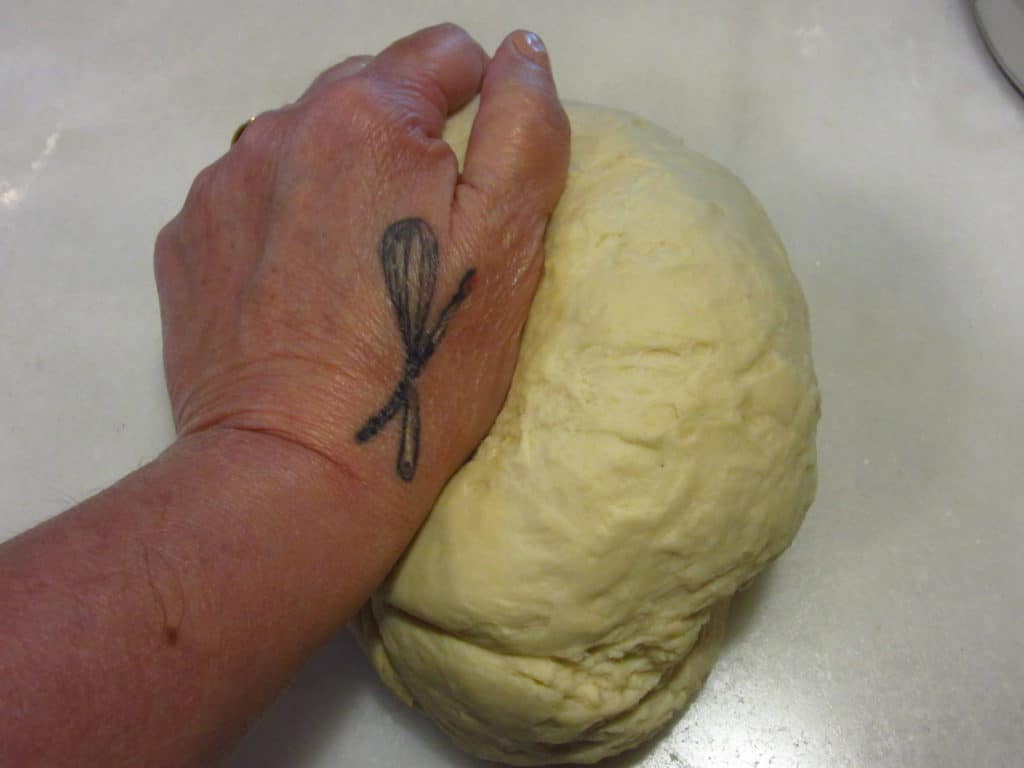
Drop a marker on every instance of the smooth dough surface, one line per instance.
(567, 596)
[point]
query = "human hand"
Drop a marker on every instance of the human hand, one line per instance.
(309, 323)
(295, 284)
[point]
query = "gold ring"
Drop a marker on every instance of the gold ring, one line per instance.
(240, 130)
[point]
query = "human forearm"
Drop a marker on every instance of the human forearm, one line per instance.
(185, 595)
(313, 272)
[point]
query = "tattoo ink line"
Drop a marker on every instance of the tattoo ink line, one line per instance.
(410, 260)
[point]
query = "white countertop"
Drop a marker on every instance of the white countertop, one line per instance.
(887, 148)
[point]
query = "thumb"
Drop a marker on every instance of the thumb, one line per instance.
(515, 169)
(518, 152)
(513, 175)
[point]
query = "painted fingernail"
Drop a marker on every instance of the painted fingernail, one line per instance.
(530, 45)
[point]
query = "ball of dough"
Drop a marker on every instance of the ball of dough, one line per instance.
(567, 596)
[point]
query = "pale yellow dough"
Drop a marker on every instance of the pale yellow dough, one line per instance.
(567, 596)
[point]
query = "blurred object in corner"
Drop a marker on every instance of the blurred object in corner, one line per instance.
(1002, 25)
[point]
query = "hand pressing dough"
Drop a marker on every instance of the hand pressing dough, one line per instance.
(567, 596)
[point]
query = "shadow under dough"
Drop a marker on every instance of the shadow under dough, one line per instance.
(861, 351)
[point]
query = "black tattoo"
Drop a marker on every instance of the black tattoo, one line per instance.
(410, 260)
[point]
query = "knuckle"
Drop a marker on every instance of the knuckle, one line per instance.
(538, 138)
(446, 32)
(451, 29)
(359, 111)
(346, 68)
(165, 250)
(355, 62)
(248, 166)
(559, 121)
(260, 140)
(166, 239)
(198, 215)
(355, 105)
(544, 121)
(202, 189)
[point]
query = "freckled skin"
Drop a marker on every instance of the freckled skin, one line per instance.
(156, 620)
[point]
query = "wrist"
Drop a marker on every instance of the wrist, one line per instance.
(348, 530)
(278, 464)
(208, 576)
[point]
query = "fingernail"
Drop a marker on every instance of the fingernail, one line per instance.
(530, 45)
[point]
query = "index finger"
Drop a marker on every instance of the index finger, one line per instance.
(432, 73)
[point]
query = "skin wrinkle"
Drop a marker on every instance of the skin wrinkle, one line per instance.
(264, 520)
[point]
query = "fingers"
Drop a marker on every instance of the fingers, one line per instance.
(349, 67)
(431, 73)
(519, 146)
(513, 175)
